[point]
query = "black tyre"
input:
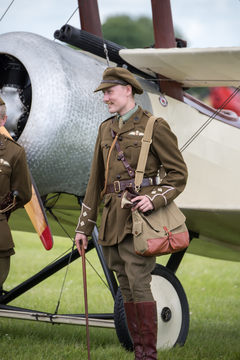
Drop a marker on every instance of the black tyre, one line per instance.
(121, 322)
(172, 308)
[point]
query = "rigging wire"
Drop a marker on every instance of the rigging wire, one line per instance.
(54, 39)
(59, 257)
(209, 120)
(7, 10)
(63, 283)
(105, 49)
(56, 219)
(49, 209)
(72, 15)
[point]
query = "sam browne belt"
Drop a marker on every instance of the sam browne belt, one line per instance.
(119, 186)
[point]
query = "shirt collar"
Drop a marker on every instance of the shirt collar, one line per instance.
(127, 116)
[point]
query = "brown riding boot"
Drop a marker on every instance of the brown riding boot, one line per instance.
(133, 327)
(147, 315)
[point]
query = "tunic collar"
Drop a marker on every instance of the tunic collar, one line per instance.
(129, 125)
(127, 116)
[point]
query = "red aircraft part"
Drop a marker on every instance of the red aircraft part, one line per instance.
(220, 94)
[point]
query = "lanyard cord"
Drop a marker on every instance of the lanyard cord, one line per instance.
(6, 10)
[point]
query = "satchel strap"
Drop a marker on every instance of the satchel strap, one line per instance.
(142, 160)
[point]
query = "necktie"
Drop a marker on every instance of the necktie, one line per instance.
(120, 122)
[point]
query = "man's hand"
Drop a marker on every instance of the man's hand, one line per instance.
(81, 240)
(143, 203)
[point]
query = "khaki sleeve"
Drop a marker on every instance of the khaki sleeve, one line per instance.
(20, 179)
(89, 210)
(165, 146)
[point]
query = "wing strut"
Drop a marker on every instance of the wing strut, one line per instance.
(164, 38)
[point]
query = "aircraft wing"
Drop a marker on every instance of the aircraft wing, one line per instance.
(188, 66)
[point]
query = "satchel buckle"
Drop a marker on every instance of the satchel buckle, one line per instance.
(168, 232)
(117, 186)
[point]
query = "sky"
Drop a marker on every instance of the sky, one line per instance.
(203, 23)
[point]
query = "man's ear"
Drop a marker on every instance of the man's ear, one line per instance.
(129, 90)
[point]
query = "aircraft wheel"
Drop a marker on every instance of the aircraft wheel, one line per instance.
(172, 309)
(121, 322)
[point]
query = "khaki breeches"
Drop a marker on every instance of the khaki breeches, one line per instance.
(133, 271)
(4, 269)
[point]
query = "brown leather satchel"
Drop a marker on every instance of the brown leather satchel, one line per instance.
(163, 231)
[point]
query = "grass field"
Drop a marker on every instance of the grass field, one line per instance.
(212, 288)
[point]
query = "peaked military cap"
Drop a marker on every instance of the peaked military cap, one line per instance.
(1, 102)
(119, 76)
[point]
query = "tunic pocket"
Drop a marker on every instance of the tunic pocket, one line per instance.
(105, 146)
(5, 174)
(6, 236)
(132, 150)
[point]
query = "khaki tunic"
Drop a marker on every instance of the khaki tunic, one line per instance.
(116, 223)
(14, 175)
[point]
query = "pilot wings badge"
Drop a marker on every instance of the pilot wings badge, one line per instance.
(136, 133)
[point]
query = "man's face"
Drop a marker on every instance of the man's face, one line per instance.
(118, 98)
(3, 121)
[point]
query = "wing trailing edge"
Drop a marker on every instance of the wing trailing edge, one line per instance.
(203, 67)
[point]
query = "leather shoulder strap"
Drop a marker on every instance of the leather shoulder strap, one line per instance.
(121, 156)
(146, 142)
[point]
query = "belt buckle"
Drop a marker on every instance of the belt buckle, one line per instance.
(117, 186)
(158, 180)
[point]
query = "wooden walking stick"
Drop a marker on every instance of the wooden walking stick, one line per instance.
(85, 297)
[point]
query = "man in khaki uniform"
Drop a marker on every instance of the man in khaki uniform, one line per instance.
(14, 176)
(115, 234)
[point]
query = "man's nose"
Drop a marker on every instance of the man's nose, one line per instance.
(105, 98)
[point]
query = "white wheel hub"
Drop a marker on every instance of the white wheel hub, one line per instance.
(169, 311)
